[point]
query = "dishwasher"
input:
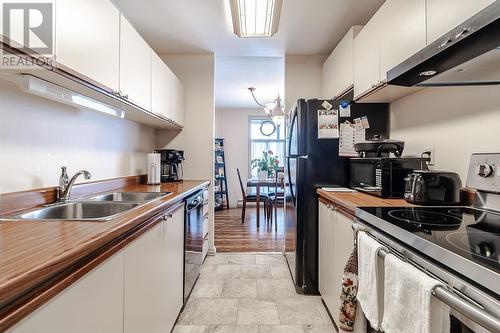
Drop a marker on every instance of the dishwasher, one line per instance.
(193, 241)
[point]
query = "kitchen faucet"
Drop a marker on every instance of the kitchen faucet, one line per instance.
(66, 185)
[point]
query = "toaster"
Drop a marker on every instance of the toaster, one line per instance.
(438, 188)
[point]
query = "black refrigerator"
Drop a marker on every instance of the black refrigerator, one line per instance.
(312, 163)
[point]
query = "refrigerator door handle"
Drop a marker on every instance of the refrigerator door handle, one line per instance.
(290, 180)
(291, 133)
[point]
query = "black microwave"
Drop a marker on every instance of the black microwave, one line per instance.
(383, 176)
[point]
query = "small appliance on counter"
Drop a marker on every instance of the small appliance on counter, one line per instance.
(439, 188)
(154, 162)
(380, 170)
(384, 176)
(171, 165)
(378, 147)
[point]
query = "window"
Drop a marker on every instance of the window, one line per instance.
(259, 143)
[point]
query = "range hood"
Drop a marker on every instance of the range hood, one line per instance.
(467, 55)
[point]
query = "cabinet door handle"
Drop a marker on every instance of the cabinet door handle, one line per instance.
(462, 32)
(444, 43)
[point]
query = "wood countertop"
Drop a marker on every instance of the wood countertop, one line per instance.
(349, 201)
(34, 252)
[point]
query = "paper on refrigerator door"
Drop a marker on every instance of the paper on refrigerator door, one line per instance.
(328, 124)
(350, 134)
(345, 109)
(327, 105)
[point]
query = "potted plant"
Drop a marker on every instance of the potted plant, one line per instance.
(266, 166)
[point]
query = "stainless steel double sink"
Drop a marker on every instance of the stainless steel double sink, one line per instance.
(101, 207)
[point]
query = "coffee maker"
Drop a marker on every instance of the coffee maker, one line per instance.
(171, 164)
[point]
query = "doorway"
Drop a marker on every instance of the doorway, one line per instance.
(249, 135)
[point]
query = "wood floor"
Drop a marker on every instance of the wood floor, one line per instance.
(232, 236)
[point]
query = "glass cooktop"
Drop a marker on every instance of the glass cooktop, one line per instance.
(471, 233)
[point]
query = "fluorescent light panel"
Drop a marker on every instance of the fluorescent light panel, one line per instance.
(59, 94)
(255, 18)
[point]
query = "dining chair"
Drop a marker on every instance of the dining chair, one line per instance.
(263, 197)
(273, 202)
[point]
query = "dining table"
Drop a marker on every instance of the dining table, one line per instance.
(258, 183)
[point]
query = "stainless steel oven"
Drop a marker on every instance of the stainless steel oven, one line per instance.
(472, 310)
(193, 251)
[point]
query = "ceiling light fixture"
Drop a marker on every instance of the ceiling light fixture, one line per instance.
(273, 110)
(255, 18)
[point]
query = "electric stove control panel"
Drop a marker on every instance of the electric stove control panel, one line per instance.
(484, 172)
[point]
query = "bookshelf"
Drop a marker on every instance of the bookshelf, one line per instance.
(220, 185)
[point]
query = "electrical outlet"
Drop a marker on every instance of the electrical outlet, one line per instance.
(432, 151)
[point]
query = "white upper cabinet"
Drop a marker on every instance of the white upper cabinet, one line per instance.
(167, 95)
(94, 303)
(393, 34)
(367, 56)
(338, 69)
(177, 100)
(402, 32)
(135, 66)
(444, 15)
(88, 39)
(161, 87)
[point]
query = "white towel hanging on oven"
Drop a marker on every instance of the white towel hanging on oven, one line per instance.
(408, 303)
(369, 279)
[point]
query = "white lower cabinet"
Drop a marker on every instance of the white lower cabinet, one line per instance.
(139, 289)
(153, 288)
(326, 256)
(92, 304)
(336, 242)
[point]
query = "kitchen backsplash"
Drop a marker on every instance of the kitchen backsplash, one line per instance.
(456, 121)
(38, 136)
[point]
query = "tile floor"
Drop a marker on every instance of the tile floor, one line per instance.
(250, 293)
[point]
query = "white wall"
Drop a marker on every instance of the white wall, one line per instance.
(303, 77)
(457, 121)
(196, 71)
(38, 136)
(232, 125)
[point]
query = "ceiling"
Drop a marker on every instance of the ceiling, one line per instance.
(307, 27)
(196, 26)
(234, 75)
